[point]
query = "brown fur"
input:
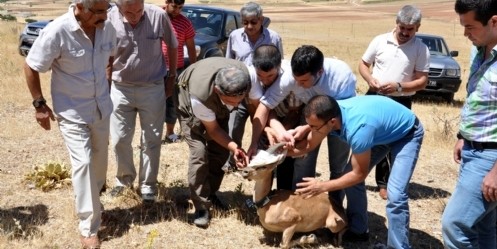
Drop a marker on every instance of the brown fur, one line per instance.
(288, 212)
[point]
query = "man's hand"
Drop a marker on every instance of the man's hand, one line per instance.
(489, 185)
(388, 88)
(240, 158)
(310, 187)
(374, 85)
(251, 152)
(43, 116)
(457, 150)
(300, 132)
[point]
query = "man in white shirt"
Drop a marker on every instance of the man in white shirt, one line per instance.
(76, 47)
(400, 63)
(312, 75)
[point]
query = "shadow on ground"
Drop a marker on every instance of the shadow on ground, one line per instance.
(418, 191)
(22, 222)
(172, 203)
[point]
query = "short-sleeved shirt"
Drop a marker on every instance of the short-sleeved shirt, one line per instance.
(139, 58)
(337, 81)
(183, 29)
(79, 85)
(258, 89)
(365, 125)
(202, 112)
(479, 113)
(240, 48)
(396, 63)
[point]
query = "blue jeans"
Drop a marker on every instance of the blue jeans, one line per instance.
(468, 220)
(404, 154)
(338, 155)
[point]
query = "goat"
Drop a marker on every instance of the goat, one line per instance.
(286, 212)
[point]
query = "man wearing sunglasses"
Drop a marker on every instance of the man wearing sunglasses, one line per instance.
(138, 88)
(371, 133)
(207, 91)
(76, 47)
(241, 45)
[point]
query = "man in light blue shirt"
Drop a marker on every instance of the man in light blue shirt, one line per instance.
(371, 133)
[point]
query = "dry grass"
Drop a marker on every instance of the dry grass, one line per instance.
(35, 219)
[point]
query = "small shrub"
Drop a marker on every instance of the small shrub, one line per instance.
(8, 17)
(446, 125)
(49, 176)
(29, 20)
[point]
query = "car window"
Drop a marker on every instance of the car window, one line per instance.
(435, 45)
(205, 22)
(230, 24)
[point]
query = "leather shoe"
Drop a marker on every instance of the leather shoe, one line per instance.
(201, 218)
(218, 203)
(91, 242)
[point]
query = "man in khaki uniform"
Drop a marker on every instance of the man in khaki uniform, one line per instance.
(206, 93)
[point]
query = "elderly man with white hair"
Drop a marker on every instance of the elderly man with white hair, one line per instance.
(76, 47)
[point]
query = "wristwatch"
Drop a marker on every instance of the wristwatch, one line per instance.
(39, 102)
(399, 87)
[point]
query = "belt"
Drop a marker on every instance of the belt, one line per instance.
(480, 145)
(414, 127)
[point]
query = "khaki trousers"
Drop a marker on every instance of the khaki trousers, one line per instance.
(88, 150)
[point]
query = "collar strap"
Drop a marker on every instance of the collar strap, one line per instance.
(264, 201)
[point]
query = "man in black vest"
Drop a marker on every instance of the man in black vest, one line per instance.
(207, 92)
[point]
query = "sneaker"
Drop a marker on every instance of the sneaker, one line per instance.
(218, 203)
(149, 197)
(355, 237)
(116, 191)
(91, 242)
(201, 218)
(173, 138)
(383, 193)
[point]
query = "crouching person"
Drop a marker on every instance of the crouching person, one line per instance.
(371, 134)
(206, 93)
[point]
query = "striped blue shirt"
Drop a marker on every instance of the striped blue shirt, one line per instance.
(479, 113)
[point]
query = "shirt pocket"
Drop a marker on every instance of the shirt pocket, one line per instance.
(489, 83)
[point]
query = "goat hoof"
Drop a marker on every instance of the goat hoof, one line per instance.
(309, 239)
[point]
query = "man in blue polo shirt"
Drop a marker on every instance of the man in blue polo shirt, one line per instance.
(371, 135)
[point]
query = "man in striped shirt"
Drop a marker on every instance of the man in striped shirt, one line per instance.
(183, 29)
(469, 218)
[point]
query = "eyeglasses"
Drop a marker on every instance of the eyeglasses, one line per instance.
(235, 94)
(253, 22)
(319, 128)
(100, 12)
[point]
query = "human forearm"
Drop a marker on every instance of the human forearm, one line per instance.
(172, 56)
(33, 81)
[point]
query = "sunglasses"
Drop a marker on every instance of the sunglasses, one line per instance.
(100, 12)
